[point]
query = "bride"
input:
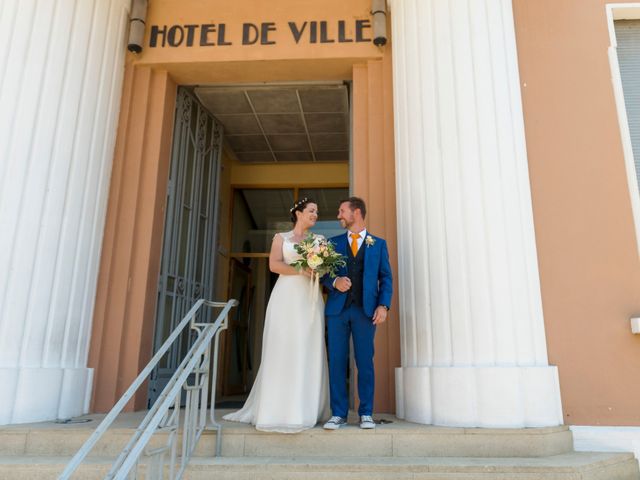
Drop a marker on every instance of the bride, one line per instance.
(290, 392)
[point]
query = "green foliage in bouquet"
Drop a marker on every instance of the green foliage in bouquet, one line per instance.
(318, 255)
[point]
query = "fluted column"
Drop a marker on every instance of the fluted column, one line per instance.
(472, 331)
(61, 67)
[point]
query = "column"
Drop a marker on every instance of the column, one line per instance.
(61, 68)
(472, 330)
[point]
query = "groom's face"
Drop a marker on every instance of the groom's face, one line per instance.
(345, 215)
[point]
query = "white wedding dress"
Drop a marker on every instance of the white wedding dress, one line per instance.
(291, 389)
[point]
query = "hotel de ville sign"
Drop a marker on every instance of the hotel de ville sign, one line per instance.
(222, 35)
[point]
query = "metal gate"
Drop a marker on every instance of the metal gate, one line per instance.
(187, 265)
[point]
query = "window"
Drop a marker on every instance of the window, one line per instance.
(628, 39)
(624, 53)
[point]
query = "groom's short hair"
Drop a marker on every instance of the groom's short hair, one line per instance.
(356, 202)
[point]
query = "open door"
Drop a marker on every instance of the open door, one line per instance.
(187, 265)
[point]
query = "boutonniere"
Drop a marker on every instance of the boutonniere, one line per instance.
(369, 240)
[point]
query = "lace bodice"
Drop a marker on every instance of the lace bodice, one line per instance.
(289, 253)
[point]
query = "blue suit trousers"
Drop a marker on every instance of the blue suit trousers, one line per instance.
(352, 321)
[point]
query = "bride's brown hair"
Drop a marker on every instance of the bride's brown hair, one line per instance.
(299, 206)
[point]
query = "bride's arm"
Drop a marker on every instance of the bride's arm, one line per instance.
(276, 260)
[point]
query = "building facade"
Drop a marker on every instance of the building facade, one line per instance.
(494, 141)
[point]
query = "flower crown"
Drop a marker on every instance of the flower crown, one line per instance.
(298, 203)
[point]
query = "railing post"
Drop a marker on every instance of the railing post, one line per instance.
(214, 379)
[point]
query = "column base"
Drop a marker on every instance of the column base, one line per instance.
(487, 397)
(40, 394)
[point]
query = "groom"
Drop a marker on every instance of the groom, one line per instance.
(359, 299)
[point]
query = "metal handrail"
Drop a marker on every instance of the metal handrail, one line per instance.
(160, 417)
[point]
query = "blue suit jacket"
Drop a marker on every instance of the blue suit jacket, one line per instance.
(377, 287)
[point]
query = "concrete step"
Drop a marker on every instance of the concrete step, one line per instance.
(569, 466)
(396, 439)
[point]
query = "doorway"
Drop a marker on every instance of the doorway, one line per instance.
(283, 140)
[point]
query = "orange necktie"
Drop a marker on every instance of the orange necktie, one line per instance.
(354, 243)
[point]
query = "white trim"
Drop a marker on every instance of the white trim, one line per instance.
(606, 439)
(620, 11)
(624, 11)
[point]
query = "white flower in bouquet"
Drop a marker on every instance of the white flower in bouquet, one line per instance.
(314, 261)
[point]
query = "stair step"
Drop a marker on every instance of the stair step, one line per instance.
(584, 466)
(569, 466)
(397, 439)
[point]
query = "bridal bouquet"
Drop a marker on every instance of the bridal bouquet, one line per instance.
(318, 255)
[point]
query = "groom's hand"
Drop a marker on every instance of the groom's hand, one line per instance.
(343, 284)
(380, 315)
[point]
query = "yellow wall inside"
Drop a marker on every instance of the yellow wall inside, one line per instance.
(287, 174)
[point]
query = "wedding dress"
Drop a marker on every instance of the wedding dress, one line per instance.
(291, 391)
